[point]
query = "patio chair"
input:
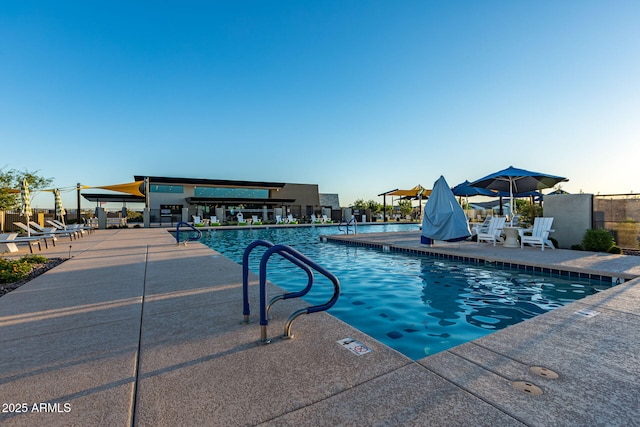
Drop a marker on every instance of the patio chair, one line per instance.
(493, 233)
(78, 228)
(45, 234)
(34, 225)
(71, 233)
(279, 220)
(255, 220)
(241, 220)
(539, 233)
(291, 219)
(91, 223)
(326, 220)
(214, 220)
(481, 227)
(8, 242)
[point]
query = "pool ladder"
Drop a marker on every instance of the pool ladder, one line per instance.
(296, 258)
(347, 224)
(189, 239)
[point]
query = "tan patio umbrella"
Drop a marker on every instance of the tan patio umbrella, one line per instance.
(416, 192)
(60, 211)
(25, 202)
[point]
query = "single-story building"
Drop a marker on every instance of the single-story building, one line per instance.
(168, 196)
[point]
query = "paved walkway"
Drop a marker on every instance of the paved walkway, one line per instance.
(134, 330)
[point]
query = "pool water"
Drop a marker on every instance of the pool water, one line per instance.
(418, 305)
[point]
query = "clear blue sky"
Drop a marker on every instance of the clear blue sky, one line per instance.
(357, 96)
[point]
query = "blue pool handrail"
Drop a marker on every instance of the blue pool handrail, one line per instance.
(246, 309)
(284, 249)
(297, 259)
(190, 239)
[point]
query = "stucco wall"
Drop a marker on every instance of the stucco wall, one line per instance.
(305, 194)
(572, 215)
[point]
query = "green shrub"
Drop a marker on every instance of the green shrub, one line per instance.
(615, 250)
(34, 259)
(577, 248)
(597, 240)
(14, 270)
(133, 216)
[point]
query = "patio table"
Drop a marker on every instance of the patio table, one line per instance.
(511, 237)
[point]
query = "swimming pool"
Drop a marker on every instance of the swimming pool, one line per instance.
(418, 305)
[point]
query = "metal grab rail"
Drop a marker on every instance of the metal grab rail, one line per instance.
(246, 310)
(353, 221)
(190, 239)
(284, 249)
(299, 260)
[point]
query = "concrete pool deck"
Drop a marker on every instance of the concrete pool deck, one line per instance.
(135, 330)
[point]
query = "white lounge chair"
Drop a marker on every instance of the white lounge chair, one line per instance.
(78, 228)
(326, 220)
(241, 220)
(255, 220)
(493, 232)
(539, 233)
(279, 220)
(92, 223)
(291, 219)
(8, 242)
(50, 234)
(214, 220)
(73, 233)
(54, 230)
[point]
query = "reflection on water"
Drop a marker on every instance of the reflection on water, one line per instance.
(416, 304)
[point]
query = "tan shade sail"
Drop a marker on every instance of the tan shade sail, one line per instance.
(414, 192)
(129, 188)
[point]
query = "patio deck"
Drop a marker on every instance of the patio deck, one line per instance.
(135, 330)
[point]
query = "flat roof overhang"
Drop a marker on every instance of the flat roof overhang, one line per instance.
(237, 201)
(226, 183)
(117, 198)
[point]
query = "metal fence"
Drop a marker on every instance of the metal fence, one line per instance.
(620, 214)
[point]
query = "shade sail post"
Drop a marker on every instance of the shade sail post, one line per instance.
(146, 192)
(78, 215)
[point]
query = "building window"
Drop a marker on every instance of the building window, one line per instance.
(166, 189)
(232, 193)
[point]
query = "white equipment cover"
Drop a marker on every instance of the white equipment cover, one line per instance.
(444, 218)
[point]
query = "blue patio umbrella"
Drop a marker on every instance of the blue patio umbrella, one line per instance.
(465, 190)
(513, 181)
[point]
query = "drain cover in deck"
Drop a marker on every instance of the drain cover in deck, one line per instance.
(527, 387)
(544, 372)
